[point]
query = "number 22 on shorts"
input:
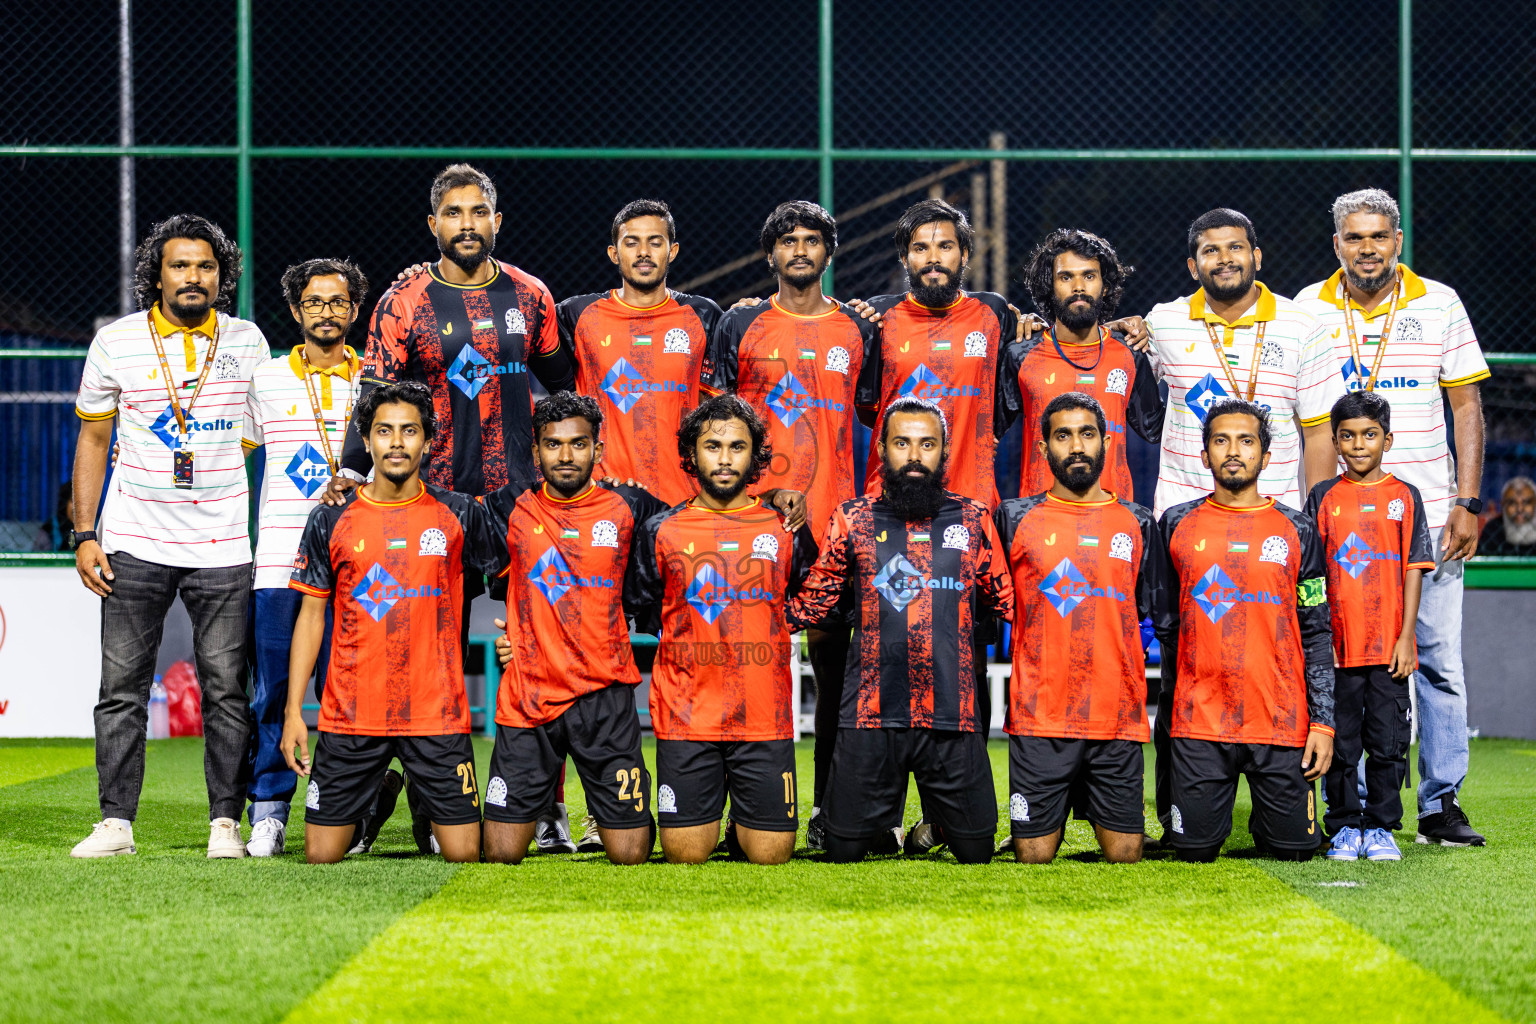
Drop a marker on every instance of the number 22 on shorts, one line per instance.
(629, 786)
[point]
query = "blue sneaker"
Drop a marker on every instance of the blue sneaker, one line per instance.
(1346, 845)
(1379, 845)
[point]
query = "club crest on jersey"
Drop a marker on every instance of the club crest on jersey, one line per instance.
(308, 470)
(496, 791)
(1273, 357)
(1117, 382)
(1274, 549)
(1355, 556)
(676, 342)
(625, 386)
(378, 592)
(552, 576)
(1395, 510)
(166, 429)
(312, 796)
(666, 800)
(1121, 547)
(226, 366)
(766, 545)
(1018, 808)
(605, 534)
(957, 537)
(471, 371)
(433, 542)
(1203, 395)
(1216, 594)
(515, 322)
(975, 344)
(837, 360)
(924, 383)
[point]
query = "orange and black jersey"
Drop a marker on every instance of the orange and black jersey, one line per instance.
(395, 573)
(565, 580)
(1084, 576)
(1373, 536)
(474, 348)
(1036, 370)
(642, 366)
(950, 357)
(1244, 620)
(913, 592)
(718, 582)
(801, 374)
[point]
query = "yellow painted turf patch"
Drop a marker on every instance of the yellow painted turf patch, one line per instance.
(890, 941)
(23, 764)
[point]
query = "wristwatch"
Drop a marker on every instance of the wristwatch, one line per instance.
(79, 537)
(1473, 505)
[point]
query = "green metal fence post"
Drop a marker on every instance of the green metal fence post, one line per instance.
(824, 97)
(1405, 125)
(243, 158)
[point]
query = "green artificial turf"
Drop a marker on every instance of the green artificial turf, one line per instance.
(167, 935)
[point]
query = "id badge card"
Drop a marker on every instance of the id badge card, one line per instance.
(181, 467)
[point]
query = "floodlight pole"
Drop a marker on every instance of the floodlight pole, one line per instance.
(824, 97)
(1405, 125)
(243, 155)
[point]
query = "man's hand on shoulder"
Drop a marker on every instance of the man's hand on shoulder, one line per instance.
(337, 490)
(1137, 334)
(791, 504)
(411, 271)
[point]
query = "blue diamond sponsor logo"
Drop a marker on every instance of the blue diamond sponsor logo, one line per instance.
(378, 592)
(1353, 556)
(1355, 375)
(624, 386)
(166, 429)
(924, 383)
(471, 371)
(1203, 395)
(709, 593)
(308, 470)
(899, 582)
(1065, 587)
(787, 399)
(1215, 593)
(551, 576)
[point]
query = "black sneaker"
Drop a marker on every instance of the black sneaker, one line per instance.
(731, 844)
(922, 838)
(384, 806)
(1448, 828)
(816, 831)
(421, 823)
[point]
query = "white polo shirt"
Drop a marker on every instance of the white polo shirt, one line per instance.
(145, 514)
(1296, 378)
(1432, 346)
(280, 415)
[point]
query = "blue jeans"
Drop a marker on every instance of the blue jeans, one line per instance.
(1442, 689)
(273, 614)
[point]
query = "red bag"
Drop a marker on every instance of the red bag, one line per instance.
(185, 699)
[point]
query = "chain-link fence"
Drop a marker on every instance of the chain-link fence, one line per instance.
(310, 130)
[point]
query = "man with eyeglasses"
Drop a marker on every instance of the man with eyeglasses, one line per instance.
(297, 409)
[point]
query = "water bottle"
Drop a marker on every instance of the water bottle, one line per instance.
(159, 711)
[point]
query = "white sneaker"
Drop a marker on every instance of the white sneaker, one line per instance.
(224, 839)
(268, 837)
(435, 848)
(110, 837)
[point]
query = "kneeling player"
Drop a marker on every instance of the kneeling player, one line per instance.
(911, 569)
(390, 558)
(1245, 622)
(1085, 567)
(719, 568)
(569, 687)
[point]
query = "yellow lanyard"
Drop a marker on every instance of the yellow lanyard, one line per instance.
(314, 405)
(1386, 330)
(165, 372)
(1226, 367)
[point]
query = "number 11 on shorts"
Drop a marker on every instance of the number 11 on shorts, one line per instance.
(789, 791)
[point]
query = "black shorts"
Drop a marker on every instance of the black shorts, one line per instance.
(1204, 784)
(867, 794)
(348, 770)
(600, 731)
(1099, 781)
(694, 777)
